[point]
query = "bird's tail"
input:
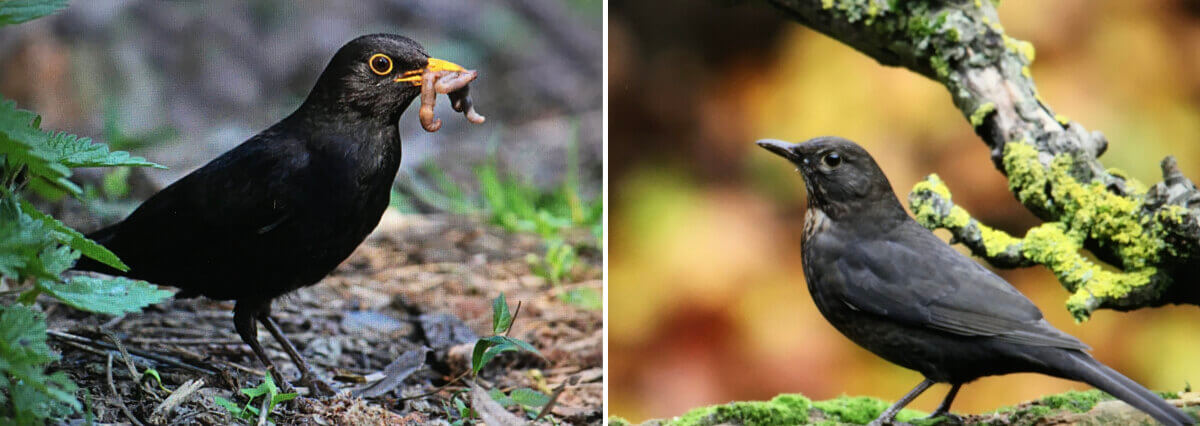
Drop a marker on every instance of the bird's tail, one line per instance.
(1084, 368)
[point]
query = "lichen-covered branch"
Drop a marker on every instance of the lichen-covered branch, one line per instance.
(1072, 407)
(1050, 244)
(1151, 234)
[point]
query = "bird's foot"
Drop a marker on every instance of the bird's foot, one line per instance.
(947, 418)
(316, 386)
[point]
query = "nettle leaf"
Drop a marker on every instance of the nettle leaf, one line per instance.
(75, 239)
(49, 156)
(74, 151)
(113, 296)
(20, 140)
(501, 318)
(23, 358)
(53, 260)
(22, 240)
(18, 11)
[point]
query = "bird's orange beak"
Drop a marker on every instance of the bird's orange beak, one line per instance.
(435, 64)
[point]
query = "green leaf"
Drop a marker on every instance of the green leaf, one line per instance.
(495, 350)
(113, 296)
(584, 297)
(18, 11)
(501, 398)
(74, 151)
(501, 318)
(24, 355)
(481, 347)
(22, 241)
(282, 398)
(21, 142)
(523, 345)
(150, 372)
(75, 239)
(529, 397)
(116, 183)
(233, 409)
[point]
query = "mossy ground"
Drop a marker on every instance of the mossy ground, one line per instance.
(796, 409)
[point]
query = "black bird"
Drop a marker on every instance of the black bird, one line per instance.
(284, 208)
(894, 288)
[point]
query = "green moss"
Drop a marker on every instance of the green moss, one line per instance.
(1075, 401)
(786, 409)
(981, 113)
(859, 410)
(617, 421)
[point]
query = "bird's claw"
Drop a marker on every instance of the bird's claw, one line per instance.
(316, 386)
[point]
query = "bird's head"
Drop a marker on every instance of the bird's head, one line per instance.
(377, 74)
(840, 175)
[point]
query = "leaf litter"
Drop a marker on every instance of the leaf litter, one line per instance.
(397, 321)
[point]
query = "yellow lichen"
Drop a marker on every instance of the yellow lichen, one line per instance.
(1022, 47)
(996, 241)
(1026, 176)
(981, 112)
(933, 183)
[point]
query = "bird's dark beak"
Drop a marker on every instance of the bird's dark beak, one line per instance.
(782, 149)
(414, 76)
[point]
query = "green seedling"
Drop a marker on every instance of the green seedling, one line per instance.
(269, 394)
(487, 348)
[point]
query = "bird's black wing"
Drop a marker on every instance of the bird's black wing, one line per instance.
(214, 213)
(925, 282)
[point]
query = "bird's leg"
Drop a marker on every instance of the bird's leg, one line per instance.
(307, 377)
(944, 408)
(889, 415)
(243, 320)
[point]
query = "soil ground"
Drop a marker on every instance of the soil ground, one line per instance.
(419, 281)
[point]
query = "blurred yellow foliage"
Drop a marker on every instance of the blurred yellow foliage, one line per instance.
(708, 301)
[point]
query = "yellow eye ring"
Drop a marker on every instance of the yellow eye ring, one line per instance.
(380, 64)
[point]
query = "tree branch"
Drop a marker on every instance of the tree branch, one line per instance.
(1152, 235)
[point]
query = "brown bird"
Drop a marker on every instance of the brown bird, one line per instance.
(896, 289)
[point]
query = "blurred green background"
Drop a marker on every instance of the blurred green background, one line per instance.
(707, 295)
(181, 82)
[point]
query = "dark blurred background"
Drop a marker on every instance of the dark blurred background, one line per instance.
(708, 301)
(182, 82)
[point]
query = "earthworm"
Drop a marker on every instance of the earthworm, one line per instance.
(451, 83)
(428, 98)
(460, 100)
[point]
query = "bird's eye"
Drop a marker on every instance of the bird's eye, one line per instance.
(380, 64)
(832, 160)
